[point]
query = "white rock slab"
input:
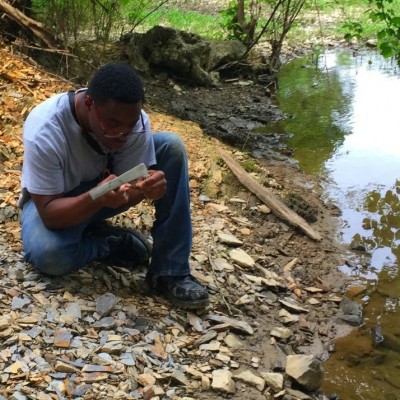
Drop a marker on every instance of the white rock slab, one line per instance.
(306, 370)
(273, 380)
(240, 257)
(252, 379)
(229, 239)
(222, 381)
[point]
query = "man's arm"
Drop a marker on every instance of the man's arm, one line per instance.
(58, 212)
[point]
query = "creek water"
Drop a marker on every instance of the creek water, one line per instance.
(345, 110)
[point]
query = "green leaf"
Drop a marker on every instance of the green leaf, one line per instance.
(386, 49)
(381, 35)
(396, 21)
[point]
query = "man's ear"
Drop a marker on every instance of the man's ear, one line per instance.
(88, 102)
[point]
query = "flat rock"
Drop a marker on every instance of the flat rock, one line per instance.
(146, 379)
(241, 326)
(210, 335)
(252, 379)
(273, 380)
(19, 302)
(229, 239)
(286, 317)
(212, 346)
(105, 323)
(240, 257)
(221, 264)
(105, 304)
(93, 377)
(306, 370)
(222, 381)
(292, 304)
(281, 332)
(180, 378)
(233, 341)
(127, 359)
(62, 338)
(259, 280)
(65, 367)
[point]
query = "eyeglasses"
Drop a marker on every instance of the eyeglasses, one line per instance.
(120, 134)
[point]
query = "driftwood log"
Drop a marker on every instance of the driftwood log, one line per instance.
(279, 208)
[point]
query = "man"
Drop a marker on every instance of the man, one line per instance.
(75, 141)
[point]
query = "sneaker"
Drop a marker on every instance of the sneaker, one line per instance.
(182, 291)
(128, 248)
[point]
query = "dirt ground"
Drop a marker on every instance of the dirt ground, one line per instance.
(273, 243)
(307, 270)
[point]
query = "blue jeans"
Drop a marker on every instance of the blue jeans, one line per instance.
(59, 252)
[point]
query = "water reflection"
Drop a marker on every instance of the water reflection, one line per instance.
(381, 225)
(346, 128)
(319, 105)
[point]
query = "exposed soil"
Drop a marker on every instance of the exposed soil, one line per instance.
(229, 112)
(307, 269)
(272, 242)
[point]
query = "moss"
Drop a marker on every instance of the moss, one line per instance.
(250, 166)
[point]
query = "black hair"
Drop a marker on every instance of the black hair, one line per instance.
(116, 81)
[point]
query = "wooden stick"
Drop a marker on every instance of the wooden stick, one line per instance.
(279, 208)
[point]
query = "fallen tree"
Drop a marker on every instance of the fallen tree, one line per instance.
(38, 30)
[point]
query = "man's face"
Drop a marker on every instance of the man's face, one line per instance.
(112, 122)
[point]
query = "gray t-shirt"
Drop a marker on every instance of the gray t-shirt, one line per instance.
(57, 157)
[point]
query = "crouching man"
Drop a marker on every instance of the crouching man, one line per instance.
(77, 140)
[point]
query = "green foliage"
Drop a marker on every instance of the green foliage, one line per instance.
(250, 166)
(389, 35)
(137, 11)
(229, 22)
(353, 30)
(252, 20)
(190, 21)
(381, 20)
(247, 20)
(70, 18)
(241, 18)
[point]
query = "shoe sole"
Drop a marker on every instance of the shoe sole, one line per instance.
(189, 304)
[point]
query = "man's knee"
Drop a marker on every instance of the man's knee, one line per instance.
(170, 142)
(169, 148)
(51, 260)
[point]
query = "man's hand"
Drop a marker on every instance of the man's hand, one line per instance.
(118, 197)
(153, 187)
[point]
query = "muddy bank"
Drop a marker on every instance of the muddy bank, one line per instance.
(230, 112)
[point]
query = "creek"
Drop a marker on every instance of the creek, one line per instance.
(345, 129)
